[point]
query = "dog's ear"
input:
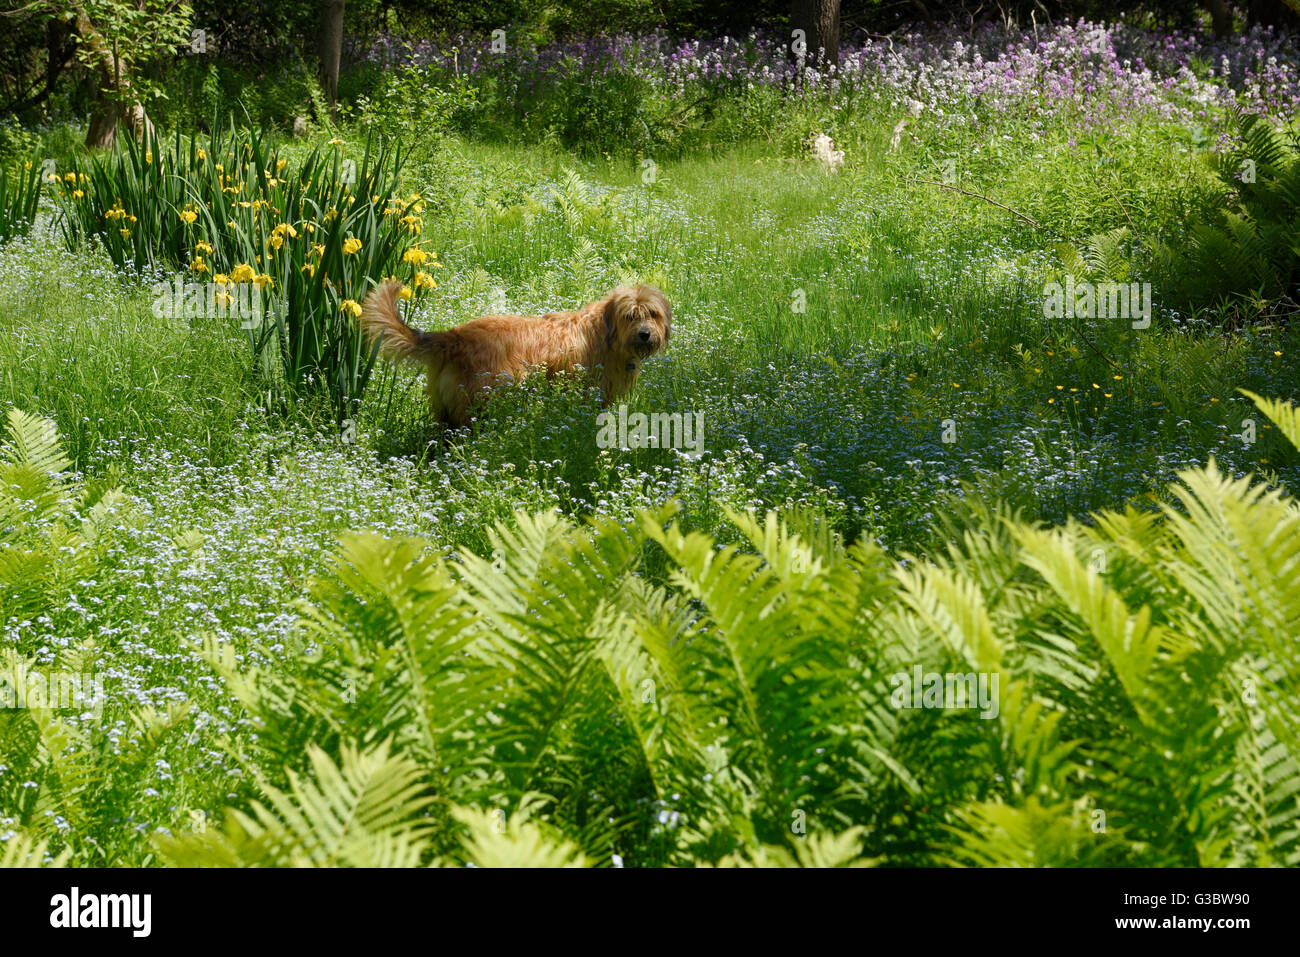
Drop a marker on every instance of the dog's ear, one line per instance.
(613, 310)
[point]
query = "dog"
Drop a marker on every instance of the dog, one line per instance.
(608, 340)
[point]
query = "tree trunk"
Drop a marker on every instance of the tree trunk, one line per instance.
(115, 103)
(1220, 17)
(820, 19)
(1276, 13)
(329, 46)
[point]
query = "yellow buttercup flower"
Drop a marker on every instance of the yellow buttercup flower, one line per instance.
(262, 280)
(125, 232)
(404, 293)
(348, 306)
(351, 245)
(77, 194)
(242, 273)
(416, 257)
(424, 281)
(221, 279)
(198, 265)
(189, 214)
(203, 246)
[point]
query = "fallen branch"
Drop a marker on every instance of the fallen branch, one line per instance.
(992, 202)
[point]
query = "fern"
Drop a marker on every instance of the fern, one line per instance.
(361, 813)
(20, 851)
(1249, 249)
(550, 704)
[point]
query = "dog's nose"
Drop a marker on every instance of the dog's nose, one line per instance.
(645, 335)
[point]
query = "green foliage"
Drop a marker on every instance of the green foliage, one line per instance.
(229, 209)
(139, 34)
(62, 774)
(414, 105)
(1250, 250)
(201, 87)
(1144, 712)
(692, 688)
(20, 195)
(360, 814)
(48, 528)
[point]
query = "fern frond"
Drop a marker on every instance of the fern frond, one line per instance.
(362, 813)
(492, 840)
(821, 850)
(23, 851)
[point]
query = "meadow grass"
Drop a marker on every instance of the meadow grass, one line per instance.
(828, 325)
(923, 308)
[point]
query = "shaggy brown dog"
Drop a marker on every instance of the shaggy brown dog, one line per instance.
(608, 338)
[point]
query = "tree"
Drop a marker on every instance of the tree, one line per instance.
(329, 46)
(114, 41)
(820, 20)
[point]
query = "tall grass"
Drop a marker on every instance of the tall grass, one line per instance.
(20, 195)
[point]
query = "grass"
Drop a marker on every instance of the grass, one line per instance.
(923, 319)
(918, 306)
(83, 346)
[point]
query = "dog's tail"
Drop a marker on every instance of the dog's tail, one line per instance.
(380, 321)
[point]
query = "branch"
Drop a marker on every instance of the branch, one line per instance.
(35, 6)
(993, 202)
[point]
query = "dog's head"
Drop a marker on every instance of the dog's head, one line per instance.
(638, 321)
